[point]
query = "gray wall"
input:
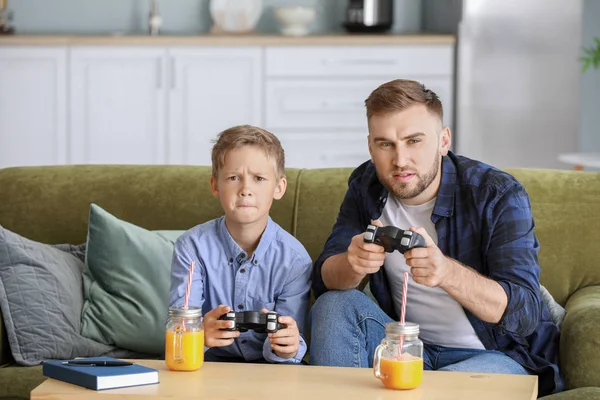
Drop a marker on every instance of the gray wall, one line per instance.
(441, 16)
(179, 16)
(590, 83)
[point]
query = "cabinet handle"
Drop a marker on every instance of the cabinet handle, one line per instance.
(332, 105)
(159, 74)
(173, 83)
(360, 61)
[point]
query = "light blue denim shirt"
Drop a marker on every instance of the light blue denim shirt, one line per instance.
(277, 277)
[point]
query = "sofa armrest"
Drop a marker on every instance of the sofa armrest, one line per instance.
(580, 339)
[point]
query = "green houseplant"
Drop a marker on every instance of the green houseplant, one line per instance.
(592, 55)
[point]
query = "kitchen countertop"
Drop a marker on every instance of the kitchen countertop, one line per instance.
(228, 40)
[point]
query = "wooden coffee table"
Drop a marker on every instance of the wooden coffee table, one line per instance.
(267, 381)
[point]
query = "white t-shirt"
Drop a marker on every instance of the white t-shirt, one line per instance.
(441, 319)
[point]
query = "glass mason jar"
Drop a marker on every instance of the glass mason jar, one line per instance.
(398, 360)
(184, 342)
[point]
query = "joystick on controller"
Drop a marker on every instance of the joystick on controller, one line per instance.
(254, 320)
(392, 238)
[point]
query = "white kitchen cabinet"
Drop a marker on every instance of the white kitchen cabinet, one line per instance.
(323, 124)
(160, 105)
(316, 104)
(318, 149)
(118, 105)
(359, 61)
(32, 106)
(315, 95)
(211, 89)
(332, 104)
(165, 104)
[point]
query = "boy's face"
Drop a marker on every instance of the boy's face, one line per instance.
(247, 184)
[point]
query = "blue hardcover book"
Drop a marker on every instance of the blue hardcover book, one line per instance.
(100, 377)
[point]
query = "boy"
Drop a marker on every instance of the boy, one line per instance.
(244, 261)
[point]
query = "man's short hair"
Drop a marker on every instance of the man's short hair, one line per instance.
(400, 94)
(247, 135)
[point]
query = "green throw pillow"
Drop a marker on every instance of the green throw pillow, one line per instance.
(126, 283)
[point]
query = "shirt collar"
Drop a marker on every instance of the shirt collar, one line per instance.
(234, 253)
(444, 205)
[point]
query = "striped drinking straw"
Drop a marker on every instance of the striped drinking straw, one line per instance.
(403, 310)
(188, 288)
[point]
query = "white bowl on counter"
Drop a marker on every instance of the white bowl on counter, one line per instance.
(295, 20)
(235, 16)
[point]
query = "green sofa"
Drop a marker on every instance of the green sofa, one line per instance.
(51, 205)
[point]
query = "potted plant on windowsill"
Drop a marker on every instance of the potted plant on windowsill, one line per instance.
(592, 56)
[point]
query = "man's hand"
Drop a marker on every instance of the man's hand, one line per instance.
(213, 335)
(285, 342)
(429, 266)
(365, 258)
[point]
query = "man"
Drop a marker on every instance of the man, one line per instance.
(474, 290)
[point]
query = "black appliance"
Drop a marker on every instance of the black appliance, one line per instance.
(369, 16)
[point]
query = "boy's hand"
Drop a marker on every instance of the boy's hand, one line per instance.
(213, 335)
(285, 342)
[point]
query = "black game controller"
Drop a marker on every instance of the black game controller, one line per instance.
(392, 238)
(257, 321)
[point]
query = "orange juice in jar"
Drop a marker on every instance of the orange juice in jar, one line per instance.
(398, 361)
(184, 341)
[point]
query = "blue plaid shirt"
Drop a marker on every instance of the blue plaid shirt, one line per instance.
(483, 219)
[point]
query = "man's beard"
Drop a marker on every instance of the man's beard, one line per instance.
(402, 190)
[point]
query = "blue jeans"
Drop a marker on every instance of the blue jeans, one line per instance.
(347, 326)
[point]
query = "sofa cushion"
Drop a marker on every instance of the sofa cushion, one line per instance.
(583, 393)
(126, 283)
(41, 298)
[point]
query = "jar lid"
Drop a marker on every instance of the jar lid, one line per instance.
(396, 328)
(181, 312)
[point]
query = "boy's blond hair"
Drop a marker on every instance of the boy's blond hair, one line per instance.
(247, 135)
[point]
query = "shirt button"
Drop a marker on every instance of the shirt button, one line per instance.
(255, 262)
(230, 260)
(240, 306)
(242, 270)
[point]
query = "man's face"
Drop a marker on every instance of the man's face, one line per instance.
(247, 184)
(406, 148)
